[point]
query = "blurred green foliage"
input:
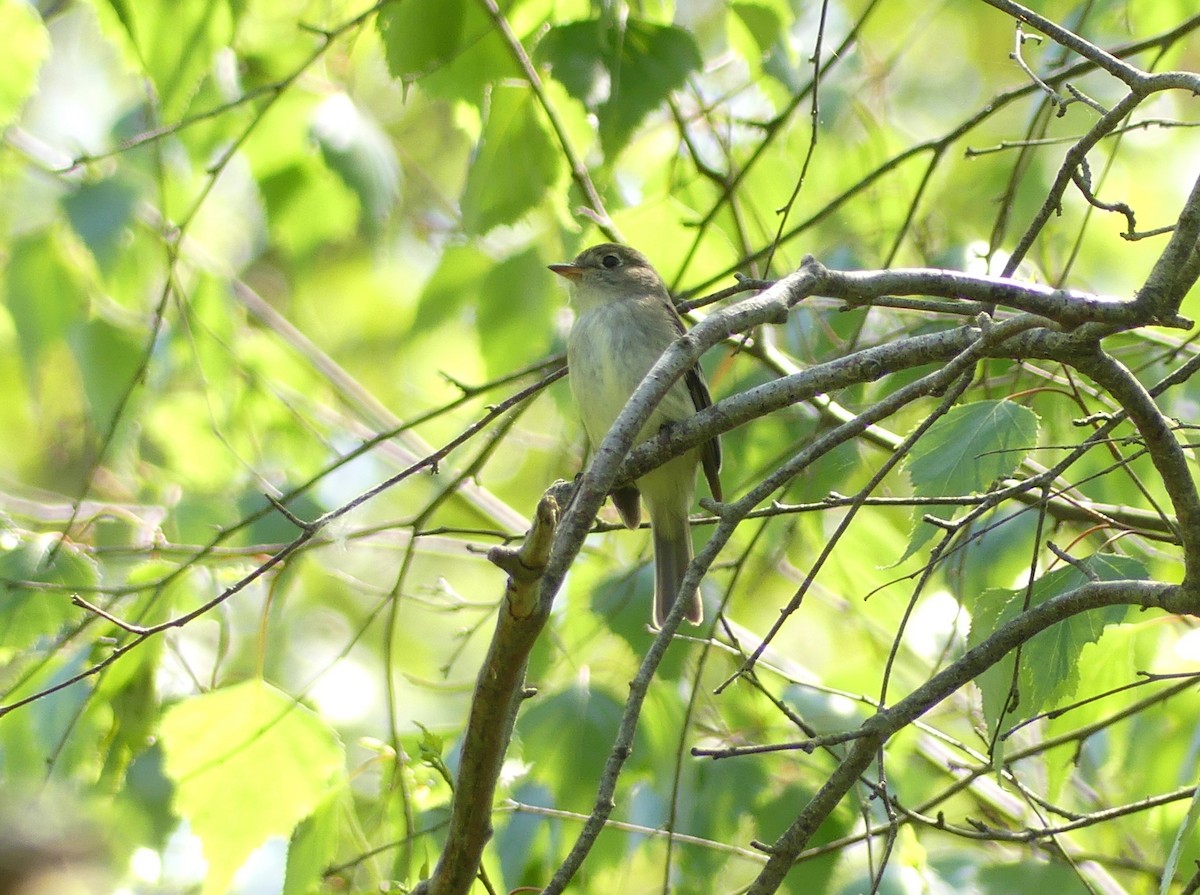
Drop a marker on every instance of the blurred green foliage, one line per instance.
(260, 248)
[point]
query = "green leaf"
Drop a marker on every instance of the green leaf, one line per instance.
(307, 208)
(419, 37)
(123, 13)
(314, 845)
(1049, 670)
(129, 689)
(764, 22)
(641, 62)
(453, 286)
(57, 734)
(971, 447)
(29, 613)
(514, 312)
(522, 841)
(568, 734)
(1030, 876)
(24, 45)
(45, 294)
(100, 212)
(134, 707)
(360, 153)
(496, 192)
(758, 32)
(576, 55)
(965, 452)
(1181, 838)
(109, 358)
(653, 61)
(450, 46)
(176, 43)
(248, 763)
(145, 798)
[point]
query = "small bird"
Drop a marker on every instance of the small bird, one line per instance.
(624, 321)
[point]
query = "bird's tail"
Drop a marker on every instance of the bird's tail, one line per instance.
(672, 553)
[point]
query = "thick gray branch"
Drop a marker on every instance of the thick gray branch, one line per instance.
(1165, 450)
(499, 692)
(1176, 270)
(863, 366)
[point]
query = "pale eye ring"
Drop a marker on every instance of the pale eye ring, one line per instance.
(610, 261)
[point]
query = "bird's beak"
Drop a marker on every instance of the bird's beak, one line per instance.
(568, 271)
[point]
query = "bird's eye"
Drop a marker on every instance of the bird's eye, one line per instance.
(610, 261)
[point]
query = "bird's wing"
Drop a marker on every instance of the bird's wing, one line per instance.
(710, 452)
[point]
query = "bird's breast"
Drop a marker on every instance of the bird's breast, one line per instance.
(610, 349)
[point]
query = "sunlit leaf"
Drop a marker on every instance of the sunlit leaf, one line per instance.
(971, 447)
(176, 42)
(307, 208)
(314, 845)
(1185, 830)
(764, 21)
(30, 612)
(1049, 661)
(45, 293)
(450, 46)
(453, 286)
(514, 312)
(965, 452)
(24, 45)
(358, 151)
(109, 358)
(227, 744)
(496, 193)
